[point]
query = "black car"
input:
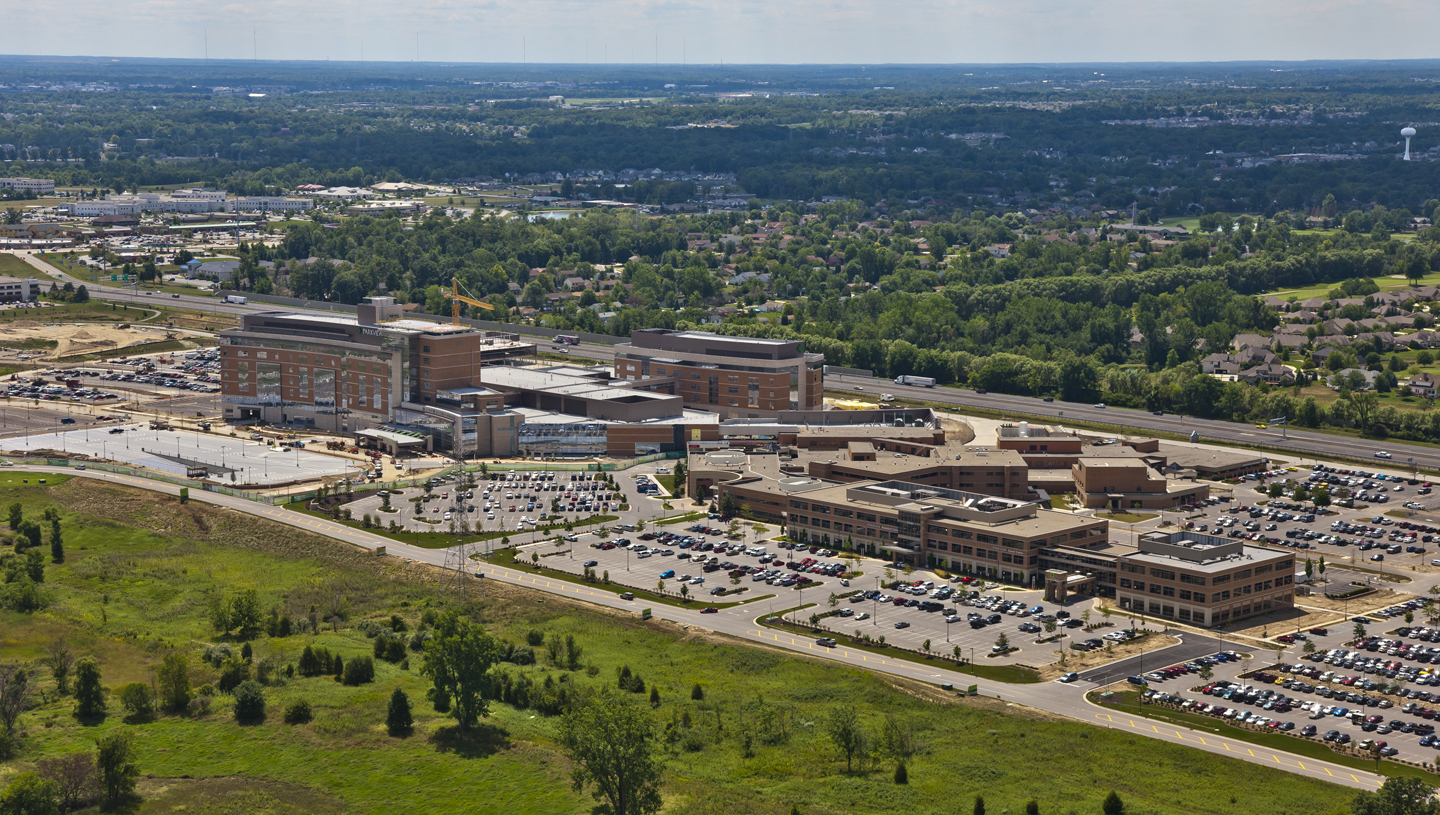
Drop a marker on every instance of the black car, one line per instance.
(590, 563)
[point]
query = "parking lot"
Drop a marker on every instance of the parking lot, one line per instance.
(1362, 534)
(1191, 647)
(510, 502)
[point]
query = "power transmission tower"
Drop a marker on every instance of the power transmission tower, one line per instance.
(459, 569)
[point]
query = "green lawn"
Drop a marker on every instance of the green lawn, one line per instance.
(1385, 283)
(140, 568)
(15, 266)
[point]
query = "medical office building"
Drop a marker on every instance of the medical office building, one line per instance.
(732, 376)
(344, 374)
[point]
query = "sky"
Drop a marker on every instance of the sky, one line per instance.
(733, 31)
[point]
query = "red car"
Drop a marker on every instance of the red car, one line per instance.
(710, 610)
(1319, 632)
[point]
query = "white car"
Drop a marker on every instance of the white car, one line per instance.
(447, 516)
(1382, 454)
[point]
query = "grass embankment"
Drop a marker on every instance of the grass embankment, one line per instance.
(15, 266)
(444, 540)
(999, 673)
(1127, 702)
(140, 569)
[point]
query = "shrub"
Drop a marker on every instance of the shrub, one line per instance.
(29, 794)
(902, 776)
(394, 649)
(697, 693)
(298, 712)
(198, 706)
(138, 698)
(249, 702)
(535, 638)
(217, 654)
(359, 671)
(233, 673)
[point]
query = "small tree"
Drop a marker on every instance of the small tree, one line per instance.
(59, 659)
(1003, 643)
(89, 692)
(842, 725)
(249, 702)
(1112, 804)
(174, 680)
(398, 719)
(138, 698)
(697, 693)
(115, 763)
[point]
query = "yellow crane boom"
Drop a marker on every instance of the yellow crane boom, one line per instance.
(456, 298)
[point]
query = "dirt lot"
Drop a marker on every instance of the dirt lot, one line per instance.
(1381, 598)
(23, 337)
(1288, 621)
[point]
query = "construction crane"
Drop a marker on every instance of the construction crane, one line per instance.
(456, 298)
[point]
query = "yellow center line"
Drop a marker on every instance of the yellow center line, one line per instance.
(1278, 759)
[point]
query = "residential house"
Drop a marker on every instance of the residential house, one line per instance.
(1272, 374)
(1221, 364)
(1423, 384)
(1243, 341)
(1345, 376)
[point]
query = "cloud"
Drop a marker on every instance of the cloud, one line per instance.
(763, 31)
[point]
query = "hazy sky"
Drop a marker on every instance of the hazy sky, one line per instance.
(696, 31)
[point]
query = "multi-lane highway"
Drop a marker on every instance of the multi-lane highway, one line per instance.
(740, 622)
(1301, 443)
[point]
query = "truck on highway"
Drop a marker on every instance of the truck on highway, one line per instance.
(235, 299)
(916, 381)
(563, 339)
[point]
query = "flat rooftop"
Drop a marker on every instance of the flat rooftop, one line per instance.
(709, 335)
(425, 327)
(1209, 458)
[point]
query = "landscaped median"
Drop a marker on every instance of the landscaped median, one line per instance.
(510, 557)
(1015, 674)
(1127, 702)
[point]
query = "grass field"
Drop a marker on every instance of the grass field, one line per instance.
(1389, 283)
(140, 568)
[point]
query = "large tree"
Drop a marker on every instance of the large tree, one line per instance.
(609, 740)
(458, 660)
(1400, 795)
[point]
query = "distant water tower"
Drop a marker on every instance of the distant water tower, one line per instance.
(1407, 133)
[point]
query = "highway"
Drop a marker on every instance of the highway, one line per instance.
(1303, 444)
(741, 622)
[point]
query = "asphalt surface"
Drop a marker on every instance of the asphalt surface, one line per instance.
(1191, 646)
(740, 622)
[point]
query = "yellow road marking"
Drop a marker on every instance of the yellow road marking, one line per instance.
(1282, 761)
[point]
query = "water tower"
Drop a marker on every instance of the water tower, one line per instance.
(1407, 133)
